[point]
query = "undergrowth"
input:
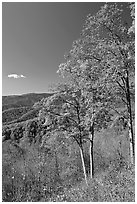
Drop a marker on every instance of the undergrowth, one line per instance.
(110, 186)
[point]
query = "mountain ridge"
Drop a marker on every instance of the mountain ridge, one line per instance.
(19, 107)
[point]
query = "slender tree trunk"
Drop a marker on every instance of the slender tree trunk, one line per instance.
(83, 163)
(131, 145)
(91, 154)
(80, 144)
(130, 122)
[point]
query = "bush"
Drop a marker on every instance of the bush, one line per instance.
(111, 186)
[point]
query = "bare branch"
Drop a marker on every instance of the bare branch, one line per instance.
(124, 101)
(122, 87)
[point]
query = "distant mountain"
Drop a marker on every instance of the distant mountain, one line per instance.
(25, 100)
(16, 108)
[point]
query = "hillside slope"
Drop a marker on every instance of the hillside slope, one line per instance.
(15, 101)
(19, 107)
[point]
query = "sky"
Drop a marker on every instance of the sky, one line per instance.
(35, 37)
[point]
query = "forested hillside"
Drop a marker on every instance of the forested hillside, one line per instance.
(25, 100)
(16, 108)
(80, 145)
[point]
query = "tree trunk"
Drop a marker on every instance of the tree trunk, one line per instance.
(130, 123)
(91, 137)
(83, 163)
(131, 146)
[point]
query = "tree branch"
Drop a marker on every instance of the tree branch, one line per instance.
(124, 101)
(122, 87)
(92, 56)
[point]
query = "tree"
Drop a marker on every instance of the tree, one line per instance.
(103, 57)
(62, 112)
(77, 112)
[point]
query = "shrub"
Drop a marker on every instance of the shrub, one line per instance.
(111, 186)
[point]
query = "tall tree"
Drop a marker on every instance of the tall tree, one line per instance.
(71, 110)
(62, 113)
(103, 57)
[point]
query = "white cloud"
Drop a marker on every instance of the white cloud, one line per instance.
(16, 76)
(22, 76)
